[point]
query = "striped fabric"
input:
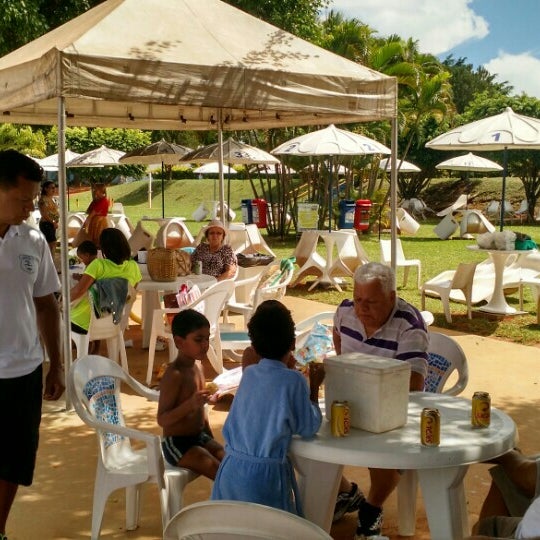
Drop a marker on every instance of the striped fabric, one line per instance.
(403, 336)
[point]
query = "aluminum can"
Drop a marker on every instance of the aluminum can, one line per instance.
(430, 427)
(481, 410)
(198, 268)
(340, 418)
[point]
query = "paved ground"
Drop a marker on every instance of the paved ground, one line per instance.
(59, 504)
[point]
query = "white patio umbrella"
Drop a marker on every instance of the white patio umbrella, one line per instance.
(50, 163)
(232, 152)
(213, 168)
(403, 166)
(331, 141)
(162, 152)
(99, 157)
(503, 131)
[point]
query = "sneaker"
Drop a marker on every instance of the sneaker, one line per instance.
(348, 502)
(370, 520)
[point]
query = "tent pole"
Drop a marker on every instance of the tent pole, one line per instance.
(393, 193)
(223, 213)
(162, 190)
(503, 195)
(62, 185)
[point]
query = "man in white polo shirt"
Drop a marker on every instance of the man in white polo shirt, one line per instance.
(28, 281)
(377, 322)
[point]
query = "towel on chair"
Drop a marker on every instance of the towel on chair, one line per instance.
(109, 295)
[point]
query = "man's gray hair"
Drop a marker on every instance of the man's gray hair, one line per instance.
(376, 271)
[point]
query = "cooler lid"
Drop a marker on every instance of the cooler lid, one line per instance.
(367, 362)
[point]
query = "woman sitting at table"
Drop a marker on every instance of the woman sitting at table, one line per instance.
(217, 257)
(116, 262)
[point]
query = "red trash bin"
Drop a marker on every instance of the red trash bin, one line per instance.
(362, 210)
(259, 210)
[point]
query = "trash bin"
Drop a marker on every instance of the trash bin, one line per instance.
(405, 222)
(447, 226)
(346, 214)
(259, 209)
(362, 210)
(247, 211)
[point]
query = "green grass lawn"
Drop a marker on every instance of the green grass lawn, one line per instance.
(182, 197)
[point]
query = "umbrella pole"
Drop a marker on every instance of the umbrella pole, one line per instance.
(162, 190)
(330, 201)
(503, 197)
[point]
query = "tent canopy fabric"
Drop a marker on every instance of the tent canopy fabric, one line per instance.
(173, 65)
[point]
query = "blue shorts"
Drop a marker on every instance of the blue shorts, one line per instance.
(20, 415)
(175, 446)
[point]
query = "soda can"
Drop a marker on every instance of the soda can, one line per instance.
(340, 418)
(430, 427)
(198, 268)
(481, 410)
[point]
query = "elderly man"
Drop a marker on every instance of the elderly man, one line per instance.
(377, 322)
(28, 281)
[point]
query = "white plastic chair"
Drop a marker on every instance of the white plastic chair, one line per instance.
(105, 329)
(174, 234)
(441, 286)
(401, 260)
(350, 254)
(211, 303)
(307, 258)
(460, 202)
(236, 520)
(74, 225)
(522, 212)
(445, 356)
(257, 244)
(140, 239)
(265, 289)
(93, 384)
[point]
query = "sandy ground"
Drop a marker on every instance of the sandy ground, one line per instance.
(58, 505)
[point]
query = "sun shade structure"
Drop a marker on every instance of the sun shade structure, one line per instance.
(470, 163)
(182, 64)
(403, 166)
(503, 131)
(98, 157)
(162, 151)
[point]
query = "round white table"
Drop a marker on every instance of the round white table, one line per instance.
(151, 291)
(440, 470)
(498, 304)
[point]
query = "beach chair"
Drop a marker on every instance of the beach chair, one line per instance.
(174, 234)
(521, 213)
(401, 260)
(237, 520)
(350, 254)
(307, 258)
(93, 384)
(442, 285)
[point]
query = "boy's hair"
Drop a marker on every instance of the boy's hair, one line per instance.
(271, 330)
(187, 321)
(87, 247)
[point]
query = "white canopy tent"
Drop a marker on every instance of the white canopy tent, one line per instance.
(183, 65)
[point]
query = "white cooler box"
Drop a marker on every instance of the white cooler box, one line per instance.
(376, 388)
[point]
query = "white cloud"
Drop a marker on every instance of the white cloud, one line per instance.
(522, 71)
(437, 26)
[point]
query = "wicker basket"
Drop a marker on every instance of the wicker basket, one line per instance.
(166, 264)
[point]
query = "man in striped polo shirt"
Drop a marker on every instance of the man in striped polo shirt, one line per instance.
(377, 322)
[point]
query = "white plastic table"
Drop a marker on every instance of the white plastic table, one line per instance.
(151, 291)
(498, 304)
(319, 462)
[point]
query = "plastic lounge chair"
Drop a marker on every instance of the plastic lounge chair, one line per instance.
(401, 260)
(521, 213)
(460, 202)
(174, 234)
(140, 239)
(104, 328)
(445, 356)
(236, 520)
(350, 254)
(93, 384)
(441, 286)
(211, 303)
(307, 258)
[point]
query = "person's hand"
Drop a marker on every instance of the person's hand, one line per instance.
(199, 398)
(316, 374)
(54, 384)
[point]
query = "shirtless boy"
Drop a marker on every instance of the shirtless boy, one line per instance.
(187, 438)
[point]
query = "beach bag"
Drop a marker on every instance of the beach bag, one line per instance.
(317, 345)
(188, 293)
(165, 264)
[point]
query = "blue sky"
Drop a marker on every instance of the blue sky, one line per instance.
(501, 35)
